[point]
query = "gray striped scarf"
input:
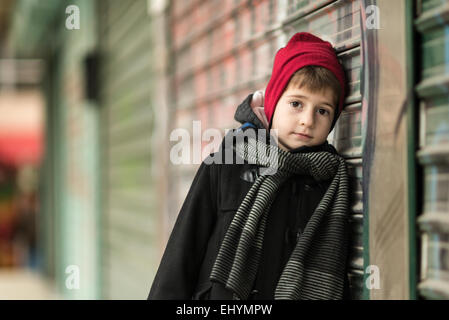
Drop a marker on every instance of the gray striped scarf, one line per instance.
(316, 266)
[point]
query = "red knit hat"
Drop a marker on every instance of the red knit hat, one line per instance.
(303, 49)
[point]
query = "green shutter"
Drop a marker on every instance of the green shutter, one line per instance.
(432, 89)
(129, 203)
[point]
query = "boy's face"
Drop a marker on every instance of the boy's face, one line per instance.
(301, 111)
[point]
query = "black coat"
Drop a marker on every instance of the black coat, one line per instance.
(214, 196)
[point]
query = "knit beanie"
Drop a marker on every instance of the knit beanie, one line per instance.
(303, 49)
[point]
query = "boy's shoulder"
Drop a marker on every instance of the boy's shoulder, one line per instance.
(226, 153)
(226, 164)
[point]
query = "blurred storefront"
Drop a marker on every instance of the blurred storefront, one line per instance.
(68, 220)
(99, 231)
(21, 148)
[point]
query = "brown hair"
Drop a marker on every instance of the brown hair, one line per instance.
(315, 79)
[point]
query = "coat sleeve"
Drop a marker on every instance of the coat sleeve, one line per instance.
(179, 268)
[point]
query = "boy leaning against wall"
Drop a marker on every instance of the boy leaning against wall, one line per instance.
(274, 225)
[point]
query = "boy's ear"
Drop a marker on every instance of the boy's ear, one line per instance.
(258, 99)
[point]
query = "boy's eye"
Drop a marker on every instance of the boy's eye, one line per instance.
(321, 109)
(295, 104)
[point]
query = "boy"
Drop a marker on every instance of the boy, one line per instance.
(242, 234)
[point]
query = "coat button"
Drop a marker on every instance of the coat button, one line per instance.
(253, 293)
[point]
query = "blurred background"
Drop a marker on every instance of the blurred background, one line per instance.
(79, 165)
(90, 91)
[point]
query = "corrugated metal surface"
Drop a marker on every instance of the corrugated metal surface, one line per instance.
(223, 50)
(130, 252)
(433, 155)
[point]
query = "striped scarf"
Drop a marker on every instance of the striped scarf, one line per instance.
(317, 265)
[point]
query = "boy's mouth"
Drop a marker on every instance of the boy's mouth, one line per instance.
(302, 135)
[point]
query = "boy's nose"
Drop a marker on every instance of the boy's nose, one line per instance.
(307, 118)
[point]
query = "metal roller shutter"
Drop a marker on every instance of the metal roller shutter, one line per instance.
(433, 155)
(130, 196)
(223, 50)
